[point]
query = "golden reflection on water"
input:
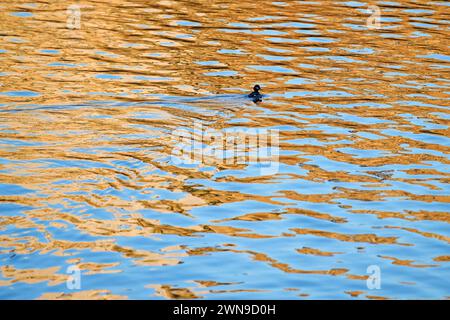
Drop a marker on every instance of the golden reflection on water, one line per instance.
(85, 134)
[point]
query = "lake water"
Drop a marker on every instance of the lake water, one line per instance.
(111, 187)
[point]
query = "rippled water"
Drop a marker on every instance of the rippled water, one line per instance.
(87, 171)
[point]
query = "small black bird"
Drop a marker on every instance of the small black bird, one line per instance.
(255, 95)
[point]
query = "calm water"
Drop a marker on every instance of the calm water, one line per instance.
(89, 178)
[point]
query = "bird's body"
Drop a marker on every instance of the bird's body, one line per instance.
(255, 95)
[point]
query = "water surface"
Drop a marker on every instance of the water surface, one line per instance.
(88, 177)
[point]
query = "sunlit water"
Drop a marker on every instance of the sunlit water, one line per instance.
(88, 176)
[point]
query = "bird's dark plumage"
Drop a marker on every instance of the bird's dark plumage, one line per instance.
(255, 95)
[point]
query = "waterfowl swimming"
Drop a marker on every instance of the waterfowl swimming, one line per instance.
(255, 95)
